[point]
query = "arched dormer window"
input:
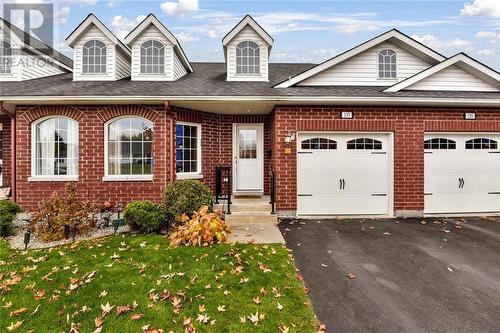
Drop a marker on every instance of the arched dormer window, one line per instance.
(5, 57)
(94, 57)
(248, 58)
(152, 57)
(387, 64)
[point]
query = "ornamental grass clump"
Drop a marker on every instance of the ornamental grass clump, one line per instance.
(8, 211)
(204, 228)
(63, 212)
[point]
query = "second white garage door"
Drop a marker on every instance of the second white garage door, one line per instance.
(342, 174)
(462, 173)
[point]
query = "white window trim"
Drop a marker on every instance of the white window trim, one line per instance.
(378, 65)
(164, 58)
(11, 70)
(52, 178)
(106, 73)
(191, 175)
(117, 178)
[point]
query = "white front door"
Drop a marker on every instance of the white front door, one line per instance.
(344, 173)
(462, 173)
(248, 163)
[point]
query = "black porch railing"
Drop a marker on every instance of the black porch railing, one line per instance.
(223, 182)
(272, 190)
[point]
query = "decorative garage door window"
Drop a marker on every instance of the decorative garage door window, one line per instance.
(130, 147)
(364, 144)
(319, 143)
(481, 143)
(440, 143)
(55, 145)
(188, 148)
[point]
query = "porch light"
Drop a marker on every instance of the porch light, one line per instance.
(289, 138)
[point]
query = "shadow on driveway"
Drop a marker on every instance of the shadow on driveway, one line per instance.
(441, 276)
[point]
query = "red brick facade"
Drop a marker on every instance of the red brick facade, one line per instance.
(407, 124)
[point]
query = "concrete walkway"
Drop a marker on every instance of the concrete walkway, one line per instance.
(255, 231)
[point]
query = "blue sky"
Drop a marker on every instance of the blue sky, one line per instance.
(304, 31)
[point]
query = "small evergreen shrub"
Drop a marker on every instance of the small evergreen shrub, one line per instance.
(145, 216)
(186, 197)
(8, 211)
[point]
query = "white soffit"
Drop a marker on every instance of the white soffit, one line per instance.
(461, 60)
(394, 36)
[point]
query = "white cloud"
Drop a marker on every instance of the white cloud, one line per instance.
(113, 3)
(121, 26)
(451, 45)
(187, 37)
(181, 7)
(303, 55)
(212, 33)
(62, 15)
(486, 52)
(481, 8)
(487, 34)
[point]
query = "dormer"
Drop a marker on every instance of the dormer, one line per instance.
(98, 54)
(156, 54)
(247, 48)
(24, 57)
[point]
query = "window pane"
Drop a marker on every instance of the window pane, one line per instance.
(187, 142)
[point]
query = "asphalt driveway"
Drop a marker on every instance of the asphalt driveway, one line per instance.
(441, 276)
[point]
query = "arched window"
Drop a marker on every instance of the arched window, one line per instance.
(440, 143)
(364, 144)
(94, 57)
(129, 147)
(387, 64)
(481, 143)
(318, 143)
(55, 147)
(5, 57)
(152, 57)
(248, 58)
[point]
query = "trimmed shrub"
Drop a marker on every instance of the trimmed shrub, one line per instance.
(145, 216)
(8, 211)
(63, 210)
(186, 197)
(202, 229)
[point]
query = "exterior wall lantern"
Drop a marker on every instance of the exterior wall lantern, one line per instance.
(289, 138)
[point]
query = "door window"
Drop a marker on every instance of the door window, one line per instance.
(247, 143)
(364, 144)
(318, 143)
(440, 143)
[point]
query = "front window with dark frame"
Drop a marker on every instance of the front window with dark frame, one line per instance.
(188, 148)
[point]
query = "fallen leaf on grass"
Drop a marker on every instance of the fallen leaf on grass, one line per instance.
(106, 309)
(136, 316)
(257, 300)
(203, 318)
(17, 312)
(279, 306)
(221, 308)
(321, 328)
(14, 326)
(39, 294)
(122, 309)
(283, 329)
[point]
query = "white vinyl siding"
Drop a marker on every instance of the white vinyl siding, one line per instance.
(362, 69)
(152, 33)
(122, 65)
(179, 69)
(452, 78)
(91, 34)
(27, 65)
(247, 34)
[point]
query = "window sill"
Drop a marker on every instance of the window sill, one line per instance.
(136, 178)
(189, 176)
(53, 179)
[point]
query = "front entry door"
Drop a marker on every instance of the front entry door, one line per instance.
(248, 166)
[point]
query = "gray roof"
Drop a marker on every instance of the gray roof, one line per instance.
(209, 79)
(38, 44)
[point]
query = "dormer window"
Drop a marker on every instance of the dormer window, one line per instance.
(5, 57)
(248, 58)
(152, 57)
(94, 57)
(387, 64)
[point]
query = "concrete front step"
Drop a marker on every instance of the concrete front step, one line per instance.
(251, 218)
(246, 208)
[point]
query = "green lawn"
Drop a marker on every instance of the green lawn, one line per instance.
(140, 274)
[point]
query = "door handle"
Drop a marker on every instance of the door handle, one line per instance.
(342, 184)
(461, 183)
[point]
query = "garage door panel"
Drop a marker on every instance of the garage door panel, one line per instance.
(464, 179)
(342, 181)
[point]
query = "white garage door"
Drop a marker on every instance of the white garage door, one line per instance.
(343, 173)
(462, 173)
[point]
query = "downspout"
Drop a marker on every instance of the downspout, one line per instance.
(12, 150)
(171, 140)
